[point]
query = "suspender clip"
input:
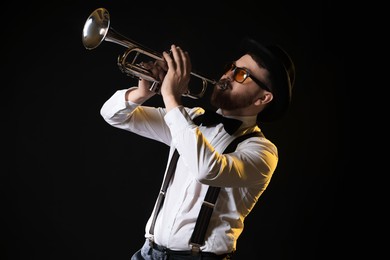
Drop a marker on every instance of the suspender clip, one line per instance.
(195, 249)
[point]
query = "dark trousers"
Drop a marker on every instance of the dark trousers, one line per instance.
(155, 252)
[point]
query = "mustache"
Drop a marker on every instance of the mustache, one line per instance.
(224, 84)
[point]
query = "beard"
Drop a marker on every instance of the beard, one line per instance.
(222, 97)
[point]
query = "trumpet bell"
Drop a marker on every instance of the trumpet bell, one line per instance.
(96, 28)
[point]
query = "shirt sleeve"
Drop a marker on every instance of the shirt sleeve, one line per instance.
(142, 120)
(253, 162)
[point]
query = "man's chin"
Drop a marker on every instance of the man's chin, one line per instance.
(221, 98)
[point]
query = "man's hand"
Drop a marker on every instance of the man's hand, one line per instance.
(176, 80)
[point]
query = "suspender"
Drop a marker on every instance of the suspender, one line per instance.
(161, 195)
(197, 238)
(198, 235)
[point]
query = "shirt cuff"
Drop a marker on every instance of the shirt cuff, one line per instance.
(118, 103)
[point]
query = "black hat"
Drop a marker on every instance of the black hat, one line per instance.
(282, 76)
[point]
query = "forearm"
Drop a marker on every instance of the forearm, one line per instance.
(138, 95)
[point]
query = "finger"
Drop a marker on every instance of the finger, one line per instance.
(157, 71)
(186, 62)
(168, 59)
(162, 64)
(176, 55)
(183, 61)
(161, 72)
(153, 68)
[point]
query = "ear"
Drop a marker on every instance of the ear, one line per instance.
(264, 99)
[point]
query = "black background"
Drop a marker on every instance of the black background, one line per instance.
(76, 188)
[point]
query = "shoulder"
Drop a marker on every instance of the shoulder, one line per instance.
(256, 139)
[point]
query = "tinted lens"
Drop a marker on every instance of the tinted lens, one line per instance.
(240, 75)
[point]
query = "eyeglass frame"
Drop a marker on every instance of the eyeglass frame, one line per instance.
(232, 67)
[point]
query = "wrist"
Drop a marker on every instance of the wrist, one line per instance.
(171, 101)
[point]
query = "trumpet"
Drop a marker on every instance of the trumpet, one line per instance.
(97, 29)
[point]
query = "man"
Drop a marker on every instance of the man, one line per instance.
(254, 88)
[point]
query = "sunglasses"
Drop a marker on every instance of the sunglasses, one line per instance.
(241, 74)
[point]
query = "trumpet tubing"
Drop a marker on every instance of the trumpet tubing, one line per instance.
(97, 29)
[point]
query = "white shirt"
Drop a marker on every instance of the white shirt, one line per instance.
(243, 175)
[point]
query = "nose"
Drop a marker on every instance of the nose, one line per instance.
(226, 77)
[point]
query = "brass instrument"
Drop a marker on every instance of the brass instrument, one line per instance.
(97, 29)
